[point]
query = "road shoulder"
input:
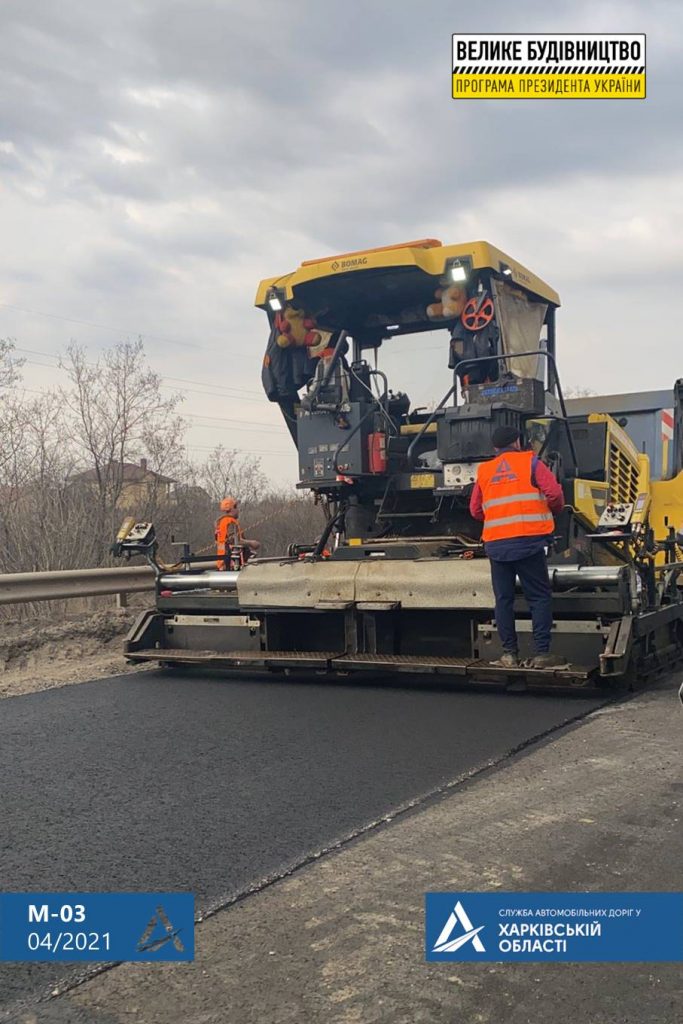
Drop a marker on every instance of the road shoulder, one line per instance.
(41, 655)
(597, 808)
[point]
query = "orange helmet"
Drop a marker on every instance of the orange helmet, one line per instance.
(228, 505)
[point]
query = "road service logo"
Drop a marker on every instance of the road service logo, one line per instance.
(590, 66)
(158, 933)
(504, 473)
(445, 944)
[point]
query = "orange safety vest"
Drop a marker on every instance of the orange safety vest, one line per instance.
(513, 506)
(228, 534)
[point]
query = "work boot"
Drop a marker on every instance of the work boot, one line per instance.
(508, 660)
(548, 661)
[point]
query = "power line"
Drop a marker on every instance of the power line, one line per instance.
(211, 394)
(242, 451)
(227, 419)
(236, 430)
(48, 366)
(238, 396)
(115, 330)
(209, 384)
(164, 387)
(212, 448)
(255, 426)
(100, 327)
(231, 425)
(182, 380)
(121, 330)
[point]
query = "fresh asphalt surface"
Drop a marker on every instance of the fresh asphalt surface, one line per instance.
(160, 781)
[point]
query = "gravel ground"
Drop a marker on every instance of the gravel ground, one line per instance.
(38, 655)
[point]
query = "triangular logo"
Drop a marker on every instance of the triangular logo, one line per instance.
(444, 943)
(504, 473)
(158, 932)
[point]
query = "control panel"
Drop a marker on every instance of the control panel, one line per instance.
(134, 538)
(615, 515)
(140, 533)
(324, 436)
(459, 474)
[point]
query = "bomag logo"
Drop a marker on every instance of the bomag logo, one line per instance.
(358, 261)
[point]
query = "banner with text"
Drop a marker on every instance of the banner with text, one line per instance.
(511, 926)
(589, 66)
(104, 926)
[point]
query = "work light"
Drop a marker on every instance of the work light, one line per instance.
(457, 270)
(274, 300)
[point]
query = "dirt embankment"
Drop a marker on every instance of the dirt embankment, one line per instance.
(40, 654)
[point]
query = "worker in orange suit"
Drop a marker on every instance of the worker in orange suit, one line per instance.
(231, 544)
(517, 496)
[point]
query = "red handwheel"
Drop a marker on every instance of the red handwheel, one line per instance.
(474, 316)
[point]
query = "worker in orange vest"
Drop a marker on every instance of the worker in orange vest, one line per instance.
(232, 547)
(515, 496)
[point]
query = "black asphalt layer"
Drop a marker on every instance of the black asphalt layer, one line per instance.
(160, 781)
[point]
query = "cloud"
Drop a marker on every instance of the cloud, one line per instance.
(160, 157)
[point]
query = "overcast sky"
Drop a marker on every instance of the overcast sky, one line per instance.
(159, 157)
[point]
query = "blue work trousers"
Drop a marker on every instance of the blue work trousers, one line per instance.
(533, 575)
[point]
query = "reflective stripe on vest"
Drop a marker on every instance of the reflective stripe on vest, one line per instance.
(512, 506)
(532, 496)
(505, 520)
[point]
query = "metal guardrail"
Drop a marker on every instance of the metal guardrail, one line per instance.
(25, 587)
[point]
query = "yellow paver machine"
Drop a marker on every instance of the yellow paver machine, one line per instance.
(398, 580)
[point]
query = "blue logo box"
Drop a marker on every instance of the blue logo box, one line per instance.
(561, 926)
(101, 926)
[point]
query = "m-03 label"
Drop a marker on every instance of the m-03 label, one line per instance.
(96, 926)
